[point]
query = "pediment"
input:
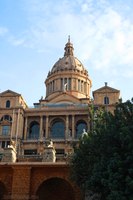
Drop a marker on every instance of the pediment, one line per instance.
(9, 93)
(64, 98)
(106, 89)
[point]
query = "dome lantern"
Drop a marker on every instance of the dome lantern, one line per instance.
(68, 48)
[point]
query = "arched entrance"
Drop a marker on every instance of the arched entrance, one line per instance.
(2, 190)
(55, 188)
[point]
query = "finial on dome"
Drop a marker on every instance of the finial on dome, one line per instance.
(68, 38)
(106, 84)
(69, 48)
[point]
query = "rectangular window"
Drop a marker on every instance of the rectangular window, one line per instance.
(69, 84)
(5, 144)
(106, 100)
(60, 152)
(30, 151)
(5, 130)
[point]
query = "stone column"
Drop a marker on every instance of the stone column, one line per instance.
(55, 82)
(17, 130)
(14, 124)
(21, 124)
(74, 87)
(58, 84)
(13, 121)
(87, 88)
(46, 89)
(67, 127)
(47, 122)
(21, 182)
(52, 86)
(76, 84)
(41, 127)
(25, 128)
(73, 126)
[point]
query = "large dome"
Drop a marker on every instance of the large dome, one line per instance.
(68, 62)
(68, 76)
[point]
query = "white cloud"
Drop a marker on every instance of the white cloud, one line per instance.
(3, 31)
(16, 41)
(100, 31)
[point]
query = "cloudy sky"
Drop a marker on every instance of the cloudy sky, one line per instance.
(33, 34)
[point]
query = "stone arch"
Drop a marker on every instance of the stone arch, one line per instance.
(57, 129)
(80, 125)
(3, 190)
(55, 188)
(7, 118)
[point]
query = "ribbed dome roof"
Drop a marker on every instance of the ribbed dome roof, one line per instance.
(68, 62)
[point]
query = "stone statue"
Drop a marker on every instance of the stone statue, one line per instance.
(49, 154)
(84, 133)
(50, 143)
(12, 145)
(65, 87)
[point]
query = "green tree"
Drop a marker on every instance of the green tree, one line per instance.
(103, 161)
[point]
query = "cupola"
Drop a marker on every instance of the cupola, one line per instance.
(68, 75)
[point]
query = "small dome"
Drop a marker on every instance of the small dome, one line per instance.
(68, 62)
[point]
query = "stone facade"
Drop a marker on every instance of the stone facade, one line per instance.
(60, 117)
(28, 181)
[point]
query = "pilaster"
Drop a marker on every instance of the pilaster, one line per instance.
(21, 182)
(73, 126)
(47, 122)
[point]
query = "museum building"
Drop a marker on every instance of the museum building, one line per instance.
(35, 143)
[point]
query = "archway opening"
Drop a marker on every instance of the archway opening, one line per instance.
(55, 188)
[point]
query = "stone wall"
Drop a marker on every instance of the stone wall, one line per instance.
(22, 180)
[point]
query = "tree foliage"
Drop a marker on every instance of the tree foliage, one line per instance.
(103, 161)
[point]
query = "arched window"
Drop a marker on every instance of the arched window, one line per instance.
(7, 104)
(79, 128)
(58, 129)
(34, 130)
(6, 122)
(6, 118)
(106, 100)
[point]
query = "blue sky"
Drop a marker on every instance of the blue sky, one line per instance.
(33, 34)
